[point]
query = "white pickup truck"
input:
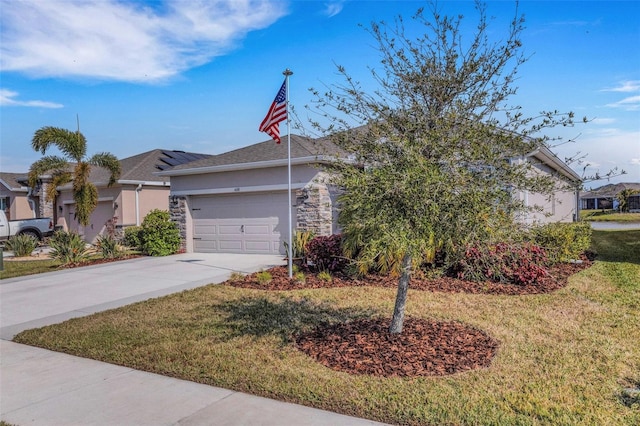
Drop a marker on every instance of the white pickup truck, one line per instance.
(38, 228)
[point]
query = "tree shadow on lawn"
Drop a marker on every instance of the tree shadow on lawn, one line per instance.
(286, 317)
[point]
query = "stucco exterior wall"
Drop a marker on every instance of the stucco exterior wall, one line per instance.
(18, 204)
(561, 206)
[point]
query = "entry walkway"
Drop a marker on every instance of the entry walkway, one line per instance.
(40, 387)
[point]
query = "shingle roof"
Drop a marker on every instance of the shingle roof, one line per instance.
(301, 147)
(13, 180)
(610, 190)
(142, 167)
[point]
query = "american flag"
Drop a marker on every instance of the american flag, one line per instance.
(277, 113)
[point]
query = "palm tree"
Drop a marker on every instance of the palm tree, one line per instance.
(73, 167)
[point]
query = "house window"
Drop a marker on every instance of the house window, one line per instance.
(5, 202)
(634, 202)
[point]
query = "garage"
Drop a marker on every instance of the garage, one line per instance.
(240, 223)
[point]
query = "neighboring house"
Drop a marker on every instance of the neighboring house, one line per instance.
(237, 201)
(14, 197)
(138, 191)
(604, 197)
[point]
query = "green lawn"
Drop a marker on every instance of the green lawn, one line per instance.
(13, 268)
(608, 216)
(564, 358)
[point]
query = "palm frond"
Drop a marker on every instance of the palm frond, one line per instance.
(58, 178)
(72, 144)
(49, 164)
(86, 199)
(109, 162)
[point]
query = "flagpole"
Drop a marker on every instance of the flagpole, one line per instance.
(288, 73)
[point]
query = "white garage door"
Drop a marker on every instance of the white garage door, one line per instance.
(240, 223)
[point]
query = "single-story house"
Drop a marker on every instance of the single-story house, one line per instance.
(604, 197)
(15, 198)
(563, 204)
(138, 191)
(238, 201)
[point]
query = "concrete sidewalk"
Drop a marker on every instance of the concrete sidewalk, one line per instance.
(41, 387)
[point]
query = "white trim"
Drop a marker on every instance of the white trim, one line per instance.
(14, 189)
(236, 190)
(247, 166)
(143, 182)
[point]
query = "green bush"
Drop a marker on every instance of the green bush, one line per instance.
(109, 247)
(264, 277)
(133, 237)
(563, 241)
(160, 236)
(68, 247)
(22, 245)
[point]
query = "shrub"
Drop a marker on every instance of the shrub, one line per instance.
(133, 237)
(68, 247)
(264, 277)
(563, 241)
(326, 253)
(108, 246)
(300, 241)
(236, 277)
(324, 276)
(159, 236)
(22, 245)
(517, 263)
(299, 277)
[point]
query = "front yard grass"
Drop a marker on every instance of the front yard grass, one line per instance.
(567, 357)
(19, 268)
(608, 216)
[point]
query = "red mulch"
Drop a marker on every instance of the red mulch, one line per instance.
(424, 348)
(556, 279)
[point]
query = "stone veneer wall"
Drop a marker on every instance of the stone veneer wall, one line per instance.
(314, 210)
(178, 213)
(46, 208)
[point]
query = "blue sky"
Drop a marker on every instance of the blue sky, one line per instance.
(200, 75)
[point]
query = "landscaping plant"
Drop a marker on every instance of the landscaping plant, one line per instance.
(133, 237)
(159, 236)
(109, 247)
(68, 247)
(430, 145)
(22, 245)
(563, 242)
(325, 253)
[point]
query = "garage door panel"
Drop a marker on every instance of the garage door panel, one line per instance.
(240, 223)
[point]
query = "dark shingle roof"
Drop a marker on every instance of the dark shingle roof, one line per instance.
(142, 167)
(267, 151)
(14, 181)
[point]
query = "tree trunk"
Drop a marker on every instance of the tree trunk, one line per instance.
(401, 297)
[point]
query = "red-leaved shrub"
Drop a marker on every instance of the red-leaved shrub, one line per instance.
(517, 263)
(326, 253)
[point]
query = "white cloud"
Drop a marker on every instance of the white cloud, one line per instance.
(333, 8)
(628, 86)
(603, 121)
(635, 161)
(631, 103)
(124, 40)
(7, 99)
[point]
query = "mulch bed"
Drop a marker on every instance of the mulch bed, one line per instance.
(556, 279)
(424, 348)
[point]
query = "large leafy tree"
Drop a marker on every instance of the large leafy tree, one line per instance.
(438, 148)
(73, 167)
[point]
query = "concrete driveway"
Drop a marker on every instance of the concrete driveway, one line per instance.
(41, 387)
